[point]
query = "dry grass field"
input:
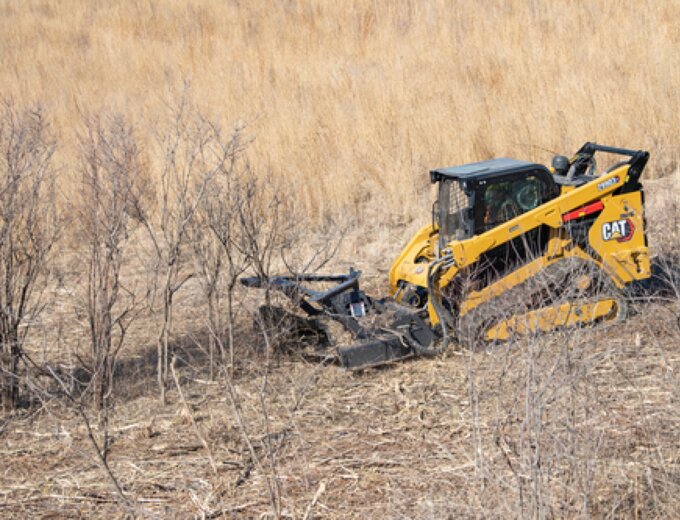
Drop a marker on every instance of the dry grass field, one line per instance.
(352, 102)
(345, 107)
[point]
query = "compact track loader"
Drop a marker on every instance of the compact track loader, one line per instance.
(514, 248)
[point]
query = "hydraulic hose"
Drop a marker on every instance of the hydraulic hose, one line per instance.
(433, 273)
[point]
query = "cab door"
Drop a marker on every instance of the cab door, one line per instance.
(500, 199)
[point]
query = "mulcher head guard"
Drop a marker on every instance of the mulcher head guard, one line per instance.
(384, 330)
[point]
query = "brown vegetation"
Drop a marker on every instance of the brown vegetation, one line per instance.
(352, 101)
(199, 141)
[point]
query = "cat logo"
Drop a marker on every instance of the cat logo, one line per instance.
(619, 230)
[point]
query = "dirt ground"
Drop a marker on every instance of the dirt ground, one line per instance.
(591, 419)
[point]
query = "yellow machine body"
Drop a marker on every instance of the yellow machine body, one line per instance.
(612, 240)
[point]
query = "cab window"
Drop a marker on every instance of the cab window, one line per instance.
(505, 199)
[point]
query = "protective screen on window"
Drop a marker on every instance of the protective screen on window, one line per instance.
(458, 205)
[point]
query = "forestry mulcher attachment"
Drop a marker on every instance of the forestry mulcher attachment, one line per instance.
(514, 248)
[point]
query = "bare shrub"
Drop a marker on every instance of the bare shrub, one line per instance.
(214, 238)
(245, 222)
(99, 443)
(109, 209)
(549, 424)
(28, 232)
(267, 223)
(186, 166)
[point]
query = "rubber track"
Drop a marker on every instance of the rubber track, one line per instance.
(553, 285)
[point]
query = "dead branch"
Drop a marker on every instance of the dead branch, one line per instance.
(200, 436)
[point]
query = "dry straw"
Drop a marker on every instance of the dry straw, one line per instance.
(353, 101)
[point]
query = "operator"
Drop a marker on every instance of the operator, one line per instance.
(499, 205)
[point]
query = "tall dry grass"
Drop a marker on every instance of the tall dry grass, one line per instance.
(353, 101)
